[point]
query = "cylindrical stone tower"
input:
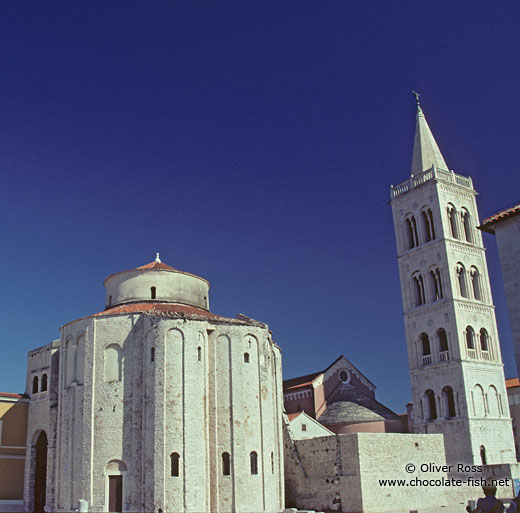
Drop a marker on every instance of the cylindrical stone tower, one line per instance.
(163, 404)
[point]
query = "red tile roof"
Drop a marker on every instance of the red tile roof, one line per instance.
(487, 224)
(9, 394)
(302, 381)
(157, 265)
(512, 382)
(157, 308)
(294, 415)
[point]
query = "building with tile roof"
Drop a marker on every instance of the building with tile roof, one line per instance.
(13, 432)
(342, 399)
(505, 226)
(513, 398)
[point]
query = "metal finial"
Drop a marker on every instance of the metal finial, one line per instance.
(157, 259)
(416, 94)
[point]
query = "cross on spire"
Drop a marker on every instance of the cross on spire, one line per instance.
(416, 94)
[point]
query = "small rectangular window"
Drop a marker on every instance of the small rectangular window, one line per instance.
(304, 427)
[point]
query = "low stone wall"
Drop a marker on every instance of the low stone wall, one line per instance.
(379, 473)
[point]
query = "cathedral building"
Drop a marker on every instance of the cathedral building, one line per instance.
(156, 402)
(456, 369)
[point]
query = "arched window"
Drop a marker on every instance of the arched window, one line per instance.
(253, 457)
(113, 363)
(452, 221)
(435, 278)
(44, 383)
(418, 286)
(199, 353)
(153, 292)
(35, 385)
(493, 402)
(425, 344)
(470, 337)
(427, 218)
(449, 403)
(246, 357)
(443, 339)
(475, 283)
(479, 407)
(226, 464)
(272, 462)
(152, 354)
(430, 401)
(443, 344)
(484, 340)
(461, 278)
(411, 232)
(174, 463)
(483, 455)
(466, 223)
(425, 349)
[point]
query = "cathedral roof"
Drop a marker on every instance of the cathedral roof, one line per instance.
(488, 224)
(426, 152)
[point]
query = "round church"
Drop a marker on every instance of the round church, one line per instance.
(156, 403)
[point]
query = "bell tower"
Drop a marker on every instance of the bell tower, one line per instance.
(456, 369)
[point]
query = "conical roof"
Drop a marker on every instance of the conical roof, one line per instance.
(426, 152)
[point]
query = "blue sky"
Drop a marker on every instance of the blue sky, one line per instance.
(252, 143)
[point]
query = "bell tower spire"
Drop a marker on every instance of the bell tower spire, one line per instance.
(426, 152)
(456, 369)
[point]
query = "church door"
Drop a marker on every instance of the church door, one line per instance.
(115, 493)
(40, 473)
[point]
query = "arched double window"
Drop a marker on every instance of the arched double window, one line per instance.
(435, 278)
(475, 283)
(253, 457)
(412, 237)
(35, 385)
(431, 406)
(418, 289)
(461, 278)
(466, 223)
(44, 383)
(174, 464)
(449, 402)
(427, 219)
(470, 337)
(452, 221)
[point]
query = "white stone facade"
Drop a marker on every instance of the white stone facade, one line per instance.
(456, 369)
(159, 395)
